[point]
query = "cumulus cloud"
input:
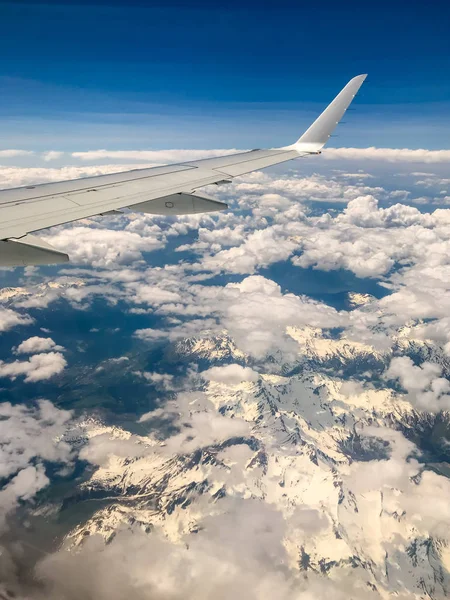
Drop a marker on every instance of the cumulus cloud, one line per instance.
(260, 249)
(52, 155)
(30, 436)
(257, 314)
(104, 448)
(238, 553)
(263, 190)
(152, 295)
(204, 429)
(405, 490)
(365, 238)
(119, 359)
(150, 334)
(10, 318)
(38, 367)
(196, 424)
(404, 248)
(160, 380)
(22, 487)
(36, 344)
(104, 247)
(18, 176)
(426, 389)
(230, 374)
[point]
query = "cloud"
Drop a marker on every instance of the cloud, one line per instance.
(272, 190)
(10, 318)
(426, 389)
(370, 240)
(191, 416)
(37, 344)
(104, 448)
(14, 153)
(405, 247)
(119, 359)
(260, 249)
(52, 155)
(406, 490)
(30, 436)
(239, 553)
(18, 176)
(150, 334)
(22, 487)
(160, 380)
(151, 294)
(38, 367)
(233, 374)
(104, 247)
(256, 314)
(300, 365)
(204, 429)
(388, 154)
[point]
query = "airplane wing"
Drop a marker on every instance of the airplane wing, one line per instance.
(167, 190)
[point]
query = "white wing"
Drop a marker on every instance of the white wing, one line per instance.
(159, 190)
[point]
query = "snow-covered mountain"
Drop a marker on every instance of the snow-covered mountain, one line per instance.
(325, 452)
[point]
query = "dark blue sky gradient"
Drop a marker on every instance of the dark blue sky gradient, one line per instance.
(87, 63)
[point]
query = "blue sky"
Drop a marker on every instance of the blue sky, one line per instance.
(219, 74)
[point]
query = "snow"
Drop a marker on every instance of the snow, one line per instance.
(292, 458)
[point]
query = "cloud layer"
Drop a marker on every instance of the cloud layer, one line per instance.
(278, 377)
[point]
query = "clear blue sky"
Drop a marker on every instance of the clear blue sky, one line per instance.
(133, 74)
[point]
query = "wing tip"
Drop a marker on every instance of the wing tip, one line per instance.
(320, 131)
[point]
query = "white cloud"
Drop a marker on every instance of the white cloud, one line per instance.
(38, 367)
(237, 554)
(52, 155)
(150, 334)
(161, 380)
(402, 495)
(365, 238)
(10, 318)
(119, 359)
(37, 344)
(256, 313)
(102, 449)
(388, 154)
(260, 249)
(29, 437)
(14, 153)
(406, 249)
(151, 294)
(29, 432)
(23, 486)
(232, 374)
(426, 389)
(261, 189)
(204, 429)
(18, 176)
(104, 247)
(369, 240)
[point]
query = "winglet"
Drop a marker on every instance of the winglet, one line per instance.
(318, 134)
